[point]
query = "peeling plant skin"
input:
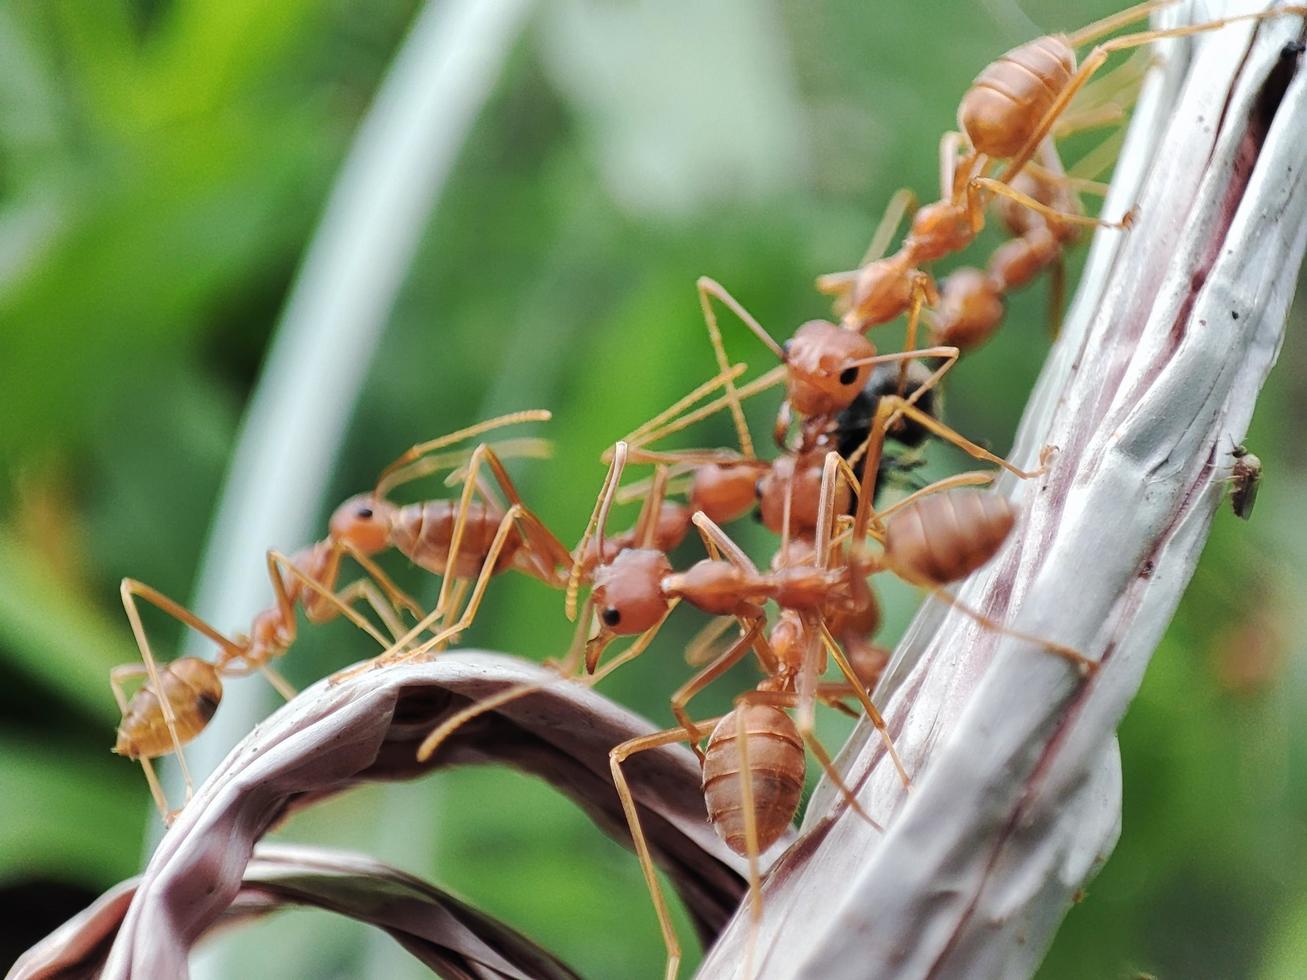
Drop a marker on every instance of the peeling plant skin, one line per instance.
(367, 728)
(1017, 779)
(440, 931)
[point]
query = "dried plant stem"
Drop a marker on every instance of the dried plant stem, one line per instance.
(1016, 799)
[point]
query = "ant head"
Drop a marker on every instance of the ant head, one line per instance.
(363, 521)
(627, 593)
(823, 376)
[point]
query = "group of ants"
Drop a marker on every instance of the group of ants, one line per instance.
(843, 402)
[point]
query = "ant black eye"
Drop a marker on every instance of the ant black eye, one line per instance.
(611, 617)
(364, 513)
(848, 376)
(786, 347)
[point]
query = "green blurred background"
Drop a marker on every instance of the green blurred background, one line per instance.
(163, 165)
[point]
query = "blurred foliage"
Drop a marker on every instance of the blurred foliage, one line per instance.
(161, 168)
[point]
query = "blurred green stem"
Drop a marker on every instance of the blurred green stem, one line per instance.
(338, 307)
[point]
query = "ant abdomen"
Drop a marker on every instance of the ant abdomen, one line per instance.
(1007, 101)
(423, 532)
(192, 688)
(944, 537)
(776, 768)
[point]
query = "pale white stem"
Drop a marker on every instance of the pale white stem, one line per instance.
(1017, 782)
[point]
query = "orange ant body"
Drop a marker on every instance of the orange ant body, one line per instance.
(932, 540)
(971, 305)
(179, 698)
(1008, 113)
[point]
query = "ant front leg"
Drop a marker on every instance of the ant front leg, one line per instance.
(598, 523)
(893, 406)
(1052, 213)
(687, 691)
(336, 604)
(547, 552)
(390, 476)
(709, 288)
(616, 757)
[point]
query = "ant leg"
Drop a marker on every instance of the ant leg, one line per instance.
(1094, 163)
(950, 150)
(1084, 665)
(920, 293)
(877, 720)
(902, 204)
(709, 288)
(976, 478)
(646, 525)
(954, 437)
(488, 569)
(399, 599)
(671, 413)
(1114, 22)
(714, 536)
(615, 758)
(1099, 55)
(278, 682)
(130, 590)
(1102, 115)
(364, 589)
(763, 382)
(455, 721)
(116, 677)
(540, 540)
(276, 563)
(598, 523)
(1065, 217)
(699, 651)
(687, 691)
(386, 480)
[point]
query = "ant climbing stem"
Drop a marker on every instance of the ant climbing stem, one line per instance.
(753, 761)
(180, 697)
(1015, 102)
